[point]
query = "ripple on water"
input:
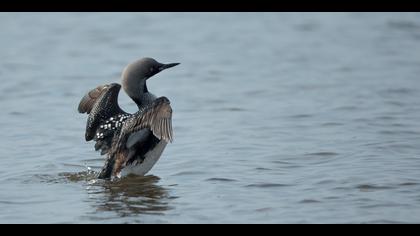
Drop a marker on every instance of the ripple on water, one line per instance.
(307, 26)
(267, 185)
(398, 132)
(65, 177)
(309, 201)
(326, 182)
(384, 222)
(325, 154)
(16, 113)
(99, 159)
(329, 124)
(408, 184)
(301, 116)
(255, 92)
(395, 103)
(403, 25)
(221, 180)
(347, 108)
(265, 209)
(229, 109)
(182, 173)
(285, 164)
(397, 91)
(20, 202)
(44, 178)
(262, 168)
(371, 187)
(384, 205)
(385, 117)
(87, 175)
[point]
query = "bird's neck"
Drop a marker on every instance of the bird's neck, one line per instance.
(144, 90)
(143, 96)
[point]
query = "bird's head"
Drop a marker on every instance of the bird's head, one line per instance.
(136, 73)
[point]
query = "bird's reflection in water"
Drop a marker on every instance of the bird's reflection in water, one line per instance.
(132, 195)
(129, 196)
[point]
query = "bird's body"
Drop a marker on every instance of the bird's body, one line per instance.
(133, 142)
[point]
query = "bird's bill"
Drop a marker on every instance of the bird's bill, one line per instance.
(166, 66)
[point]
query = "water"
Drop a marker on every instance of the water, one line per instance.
(278, 117)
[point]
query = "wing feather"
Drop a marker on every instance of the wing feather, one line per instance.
(101, 103)
(157, 117)
(87, 102)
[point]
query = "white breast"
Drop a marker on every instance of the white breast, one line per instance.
(150, 160)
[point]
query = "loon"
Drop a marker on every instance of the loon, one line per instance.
(133, 142)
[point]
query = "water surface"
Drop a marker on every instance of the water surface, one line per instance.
(278, 117)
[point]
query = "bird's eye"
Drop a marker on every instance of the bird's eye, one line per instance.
(152, 69)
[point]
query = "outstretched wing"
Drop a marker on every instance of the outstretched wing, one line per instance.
(139, 134)
(157, 117)
(101, 104)
(87, 102)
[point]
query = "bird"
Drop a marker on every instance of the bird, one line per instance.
(133, 143)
